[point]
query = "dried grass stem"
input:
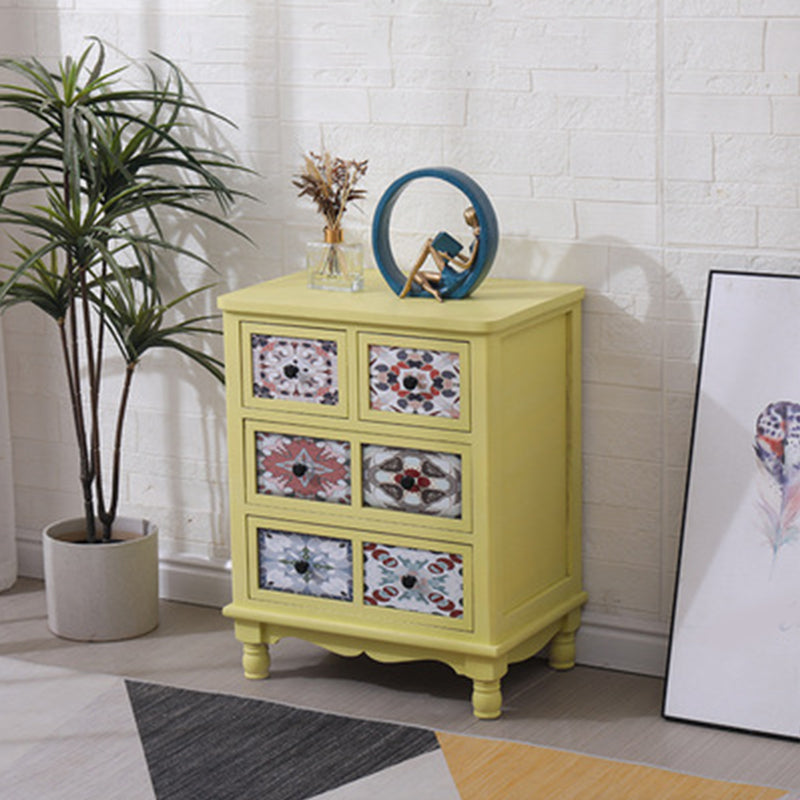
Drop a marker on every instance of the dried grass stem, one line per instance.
(331, 185)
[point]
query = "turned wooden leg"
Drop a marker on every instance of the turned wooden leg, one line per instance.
(487, 699)
(562, 647)
(562, 651)
(255, 660)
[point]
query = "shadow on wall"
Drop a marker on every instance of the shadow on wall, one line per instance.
(203, 405)
(184, 465)
(640, 353)
(186, 489)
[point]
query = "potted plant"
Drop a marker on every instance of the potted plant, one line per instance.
(85, 192)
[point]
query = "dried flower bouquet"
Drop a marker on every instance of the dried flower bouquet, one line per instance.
(330, 183)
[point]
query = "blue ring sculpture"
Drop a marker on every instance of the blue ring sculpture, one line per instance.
(487, 220)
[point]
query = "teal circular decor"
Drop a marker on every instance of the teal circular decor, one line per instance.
(453, 284)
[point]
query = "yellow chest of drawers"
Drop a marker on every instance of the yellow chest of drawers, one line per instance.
(405, 475)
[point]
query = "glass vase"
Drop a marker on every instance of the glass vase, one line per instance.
(333, 264)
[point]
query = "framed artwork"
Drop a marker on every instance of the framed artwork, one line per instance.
(734, 655)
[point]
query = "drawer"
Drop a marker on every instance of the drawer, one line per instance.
(376, 578)
(301, 467)
(413, 579)
(417, 381)
(304, 564)
(412, 481)
(290, 368)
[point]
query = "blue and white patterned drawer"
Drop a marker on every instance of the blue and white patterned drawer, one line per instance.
(412, 481)
(425, 381)
(303, 564)
(289, 366)
(302, 467)
(413, 579)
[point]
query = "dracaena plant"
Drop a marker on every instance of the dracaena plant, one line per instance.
(85, 190)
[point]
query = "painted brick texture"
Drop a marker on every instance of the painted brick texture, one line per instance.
(628, 145)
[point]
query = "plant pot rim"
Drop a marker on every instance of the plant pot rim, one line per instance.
(71, 531)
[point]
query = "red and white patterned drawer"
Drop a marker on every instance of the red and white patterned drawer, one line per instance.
(294, 369)
(418, 580)
(303, 467)
(412, 480)
(418, 381)
(287, 465)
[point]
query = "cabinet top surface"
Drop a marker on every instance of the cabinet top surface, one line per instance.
(496, 304)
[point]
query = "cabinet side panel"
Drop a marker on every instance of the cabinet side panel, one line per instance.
(233, 387)
(530, 462)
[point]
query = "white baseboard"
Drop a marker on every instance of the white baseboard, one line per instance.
(625, 645)
(29, 558)
(184, 578)
(193, 580)
(602, 641)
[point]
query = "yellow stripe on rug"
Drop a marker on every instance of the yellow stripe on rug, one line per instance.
(485, 769)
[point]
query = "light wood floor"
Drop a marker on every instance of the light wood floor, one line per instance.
(592, 711)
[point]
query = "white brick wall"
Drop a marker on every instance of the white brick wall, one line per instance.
(629, 145)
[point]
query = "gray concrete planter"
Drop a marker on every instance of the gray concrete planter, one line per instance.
(101, 592)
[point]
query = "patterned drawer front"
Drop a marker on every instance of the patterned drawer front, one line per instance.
(287, 368)
(409, 381)
(303, 467)
(303, 564)
(416, 481)
(414, 580)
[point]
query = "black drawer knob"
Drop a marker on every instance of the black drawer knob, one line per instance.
(299, 469)
(410, 382)
(291, 370)
(301, 566)
(409, 581)
(407, 482)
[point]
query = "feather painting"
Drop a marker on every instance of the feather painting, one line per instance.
(777, 447)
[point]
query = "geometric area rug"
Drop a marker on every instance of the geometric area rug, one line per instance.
(199, 744)
(73, 735)
(205, 745)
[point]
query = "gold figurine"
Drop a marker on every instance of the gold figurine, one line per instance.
(450, 262)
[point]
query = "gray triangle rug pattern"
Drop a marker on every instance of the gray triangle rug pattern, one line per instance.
(205, 745)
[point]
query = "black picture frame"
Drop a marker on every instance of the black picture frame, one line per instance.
(734, 649)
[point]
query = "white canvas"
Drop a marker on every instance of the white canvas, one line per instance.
(735, 646)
